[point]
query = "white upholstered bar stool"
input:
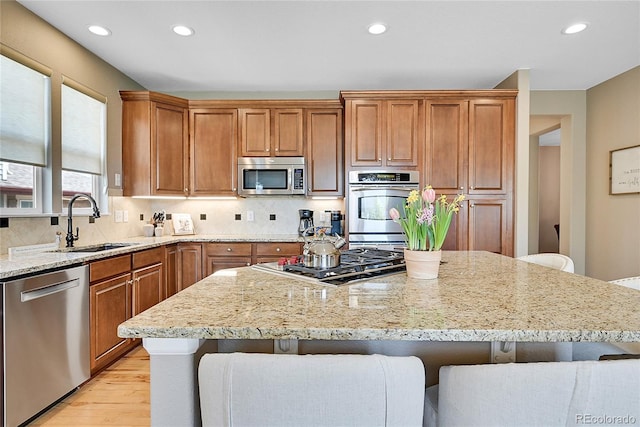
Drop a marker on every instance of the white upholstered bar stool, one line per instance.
(242, 389)
(552, 260)
(629, 282)
(535, 394)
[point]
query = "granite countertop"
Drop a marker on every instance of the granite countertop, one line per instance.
(479, 296)
(19, 265)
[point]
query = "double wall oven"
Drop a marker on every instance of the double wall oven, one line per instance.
(370, 196)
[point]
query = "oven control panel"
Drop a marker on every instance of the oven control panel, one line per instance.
(383, 177)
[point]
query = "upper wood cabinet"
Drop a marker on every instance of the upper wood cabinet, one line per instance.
(491, 146)
(213, 134)
(382, 133)
(155, 144)
(271, 132)
(325, 168)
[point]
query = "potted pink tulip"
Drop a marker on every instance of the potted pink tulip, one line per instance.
(425, 223)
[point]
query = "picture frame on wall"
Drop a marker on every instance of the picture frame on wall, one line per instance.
(624, 170)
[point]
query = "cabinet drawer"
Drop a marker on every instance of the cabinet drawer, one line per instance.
(281, 248)
(109, 267)
(148, 257)
(229, 249)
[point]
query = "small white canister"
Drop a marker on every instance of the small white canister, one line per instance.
(159, 231)
(148, 230)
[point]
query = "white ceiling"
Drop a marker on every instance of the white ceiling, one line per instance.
(323, 45)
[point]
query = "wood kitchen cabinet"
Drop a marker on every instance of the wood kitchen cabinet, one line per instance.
(219, 256)
(121, 287)
(110, 303)
(170, 270)
(382, 133)
(273, 251)
(148, 279)
(155, 144)
(213, 135)
(190, 263)
(271, 132)
(325, 168)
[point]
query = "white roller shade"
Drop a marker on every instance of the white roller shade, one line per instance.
(83, 131)
(24, 113)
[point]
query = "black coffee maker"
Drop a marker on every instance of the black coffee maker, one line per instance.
(306, 222)
(336, 223)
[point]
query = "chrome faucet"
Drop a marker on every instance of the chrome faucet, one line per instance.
(96, 214)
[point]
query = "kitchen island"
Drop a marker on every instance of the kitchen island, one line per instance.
(479, 298)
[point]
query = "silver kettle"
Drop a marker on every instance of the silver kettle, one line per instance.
(322, 253)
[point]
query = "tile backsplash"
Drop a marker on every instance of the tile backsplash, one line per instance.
(271, 215)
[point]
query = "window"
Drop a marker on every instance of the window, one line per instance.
(83, 144)
(25, 122)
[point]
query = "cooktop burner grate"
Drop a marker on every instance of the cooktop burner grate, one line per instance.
(355, 264)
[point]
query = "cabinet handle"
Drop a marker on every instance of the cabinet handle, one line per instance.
(472, 206)
(229, 250)
(234, 188)
(186, 190)
(248, 264)
(129, 282)
(379, 159)
(276, 149)
(389, 159)
(462, 188)
(277, 249)
(471, 187)
(268, 150)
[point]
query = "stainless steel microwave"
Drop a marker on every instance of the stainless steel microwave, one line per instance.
(271, 176)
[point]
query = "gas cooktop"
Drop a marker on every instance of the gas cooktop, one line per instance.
(355, 265)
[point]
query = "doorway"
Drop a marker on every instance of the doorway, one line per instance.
(549, 191)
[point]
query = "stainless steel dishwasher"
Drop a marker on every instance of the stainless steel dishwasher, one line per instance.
(45, 340)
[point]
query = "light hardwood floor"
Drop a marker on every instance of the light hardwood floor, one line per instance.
(118, 396)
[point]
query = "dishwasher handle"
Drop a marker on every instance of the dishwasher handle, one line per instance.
(26, 296)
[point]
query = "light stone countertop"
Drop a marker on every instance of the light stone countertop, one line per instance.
(20, 265)
(479, 296)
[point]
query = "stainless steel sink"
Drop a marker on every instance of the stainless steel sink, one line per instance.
(98, 248)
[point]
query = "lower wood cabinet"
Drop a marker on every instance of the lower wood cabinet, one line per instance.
(219, 256)
(170, 270)
(269, 252)
(121, 287)
(110, 305)
(189, 264)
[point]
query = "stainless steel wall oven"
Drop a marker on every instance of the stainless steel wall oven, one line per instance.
(371, 194)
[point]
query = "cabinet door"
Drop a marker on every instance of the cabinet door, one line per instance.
(148, 287)
(110, 305)
(325, 170)
(273, 251)
(213, 142)
(171, 270)
(288, 132)
(215, 263)
(402, 136)
(487, 226)
(169, 150)
(446, 145)
(365, 132)
(491, 146)
(255, 132)
(189, 264)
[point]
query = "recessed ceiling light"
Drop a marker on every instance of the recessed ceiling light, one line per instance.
(377, 28)
(183, 30)
(99, 30)
(575, 28)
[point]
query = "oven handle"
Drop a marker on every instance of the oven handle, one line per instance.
(381, 187)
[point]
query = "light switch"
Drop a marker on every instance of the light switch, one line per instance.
(125, 216)
(118, 216)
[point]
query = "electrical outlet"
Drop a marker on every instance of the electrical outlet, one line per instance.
(117, 180)
(125, 216)
(118, 216)
(250, 216)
